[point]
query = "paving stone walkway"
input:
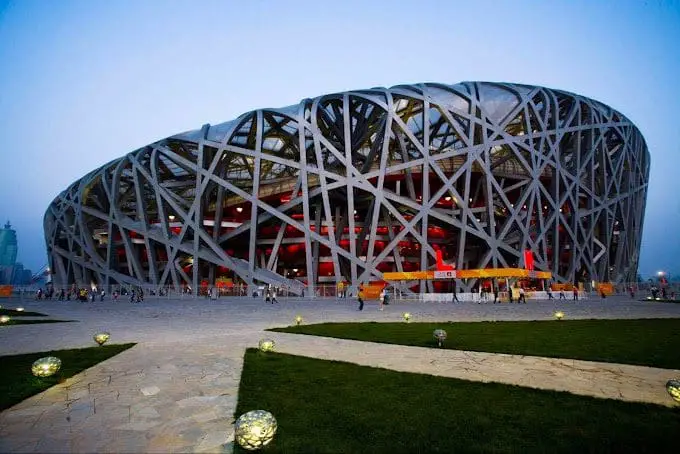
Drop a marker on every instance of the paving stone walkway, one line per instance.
(176, 390)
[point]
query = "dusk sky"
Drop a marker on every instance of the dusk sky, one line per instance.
(85, 82)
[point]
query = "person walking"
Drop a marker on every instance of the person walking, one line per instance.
(382, 299)
(522, 296)
(495, 295)
(575, 290)
(274, 300)
(562, 296)
(360, 298)
(455, 296)
(550, 295)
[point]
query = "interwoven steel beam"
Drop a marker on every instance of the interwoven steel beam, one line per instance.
(348, 185)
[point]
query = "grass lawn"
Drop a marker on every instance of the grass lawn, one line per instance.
(16, 321)
(18, 383)
(651, 342)
(15, 313)
(334, 407)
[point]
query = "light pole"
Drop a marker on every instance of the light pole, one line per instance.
(664, 286)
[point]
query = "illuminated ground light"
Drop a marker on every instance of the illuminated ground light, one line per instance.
(440, 335)
(673, 388)
(298, 319)
(559, 315)
(4, 319)
(47, 366)
(255, 429)
(101, 337)
(20, 309)
(406, 316)
(266, 345)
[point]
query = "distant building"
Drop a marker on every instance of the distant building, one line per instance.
(21, 275)
(8, 246)
(11, 272)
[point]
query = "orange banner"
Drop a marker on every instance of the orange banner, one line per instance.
(409, 276)
(5, 291)
(605, 287)
(470, 274)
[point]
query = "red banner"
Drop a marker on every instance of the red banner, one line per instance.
(528, 260)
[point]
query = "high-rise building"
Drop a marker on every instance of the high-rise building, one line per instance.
(8, 253)
(8, 245)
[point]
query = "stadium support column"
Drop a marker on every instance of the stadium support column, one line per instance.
(254, 198)
(555, 196)
(142, 213)
(198, 211)
(311, 271)
(317, 229)
(425, 192)
(349, 175)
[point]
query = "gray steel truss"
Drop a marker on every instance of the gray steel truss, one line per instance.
(346, 186)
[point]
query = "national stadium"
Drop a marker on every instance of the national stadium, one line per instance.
(348, 186)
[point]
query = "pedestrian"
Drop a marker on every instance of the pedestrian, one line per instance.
(382, 299)
(268, 296)
(632, 291)
(550, 295)
(274, 300)
(575, 293)
(132, 296)
(101, 297)
(562, 296)
(522, 297)
(455, 295)
(495, 295)
(360, 298)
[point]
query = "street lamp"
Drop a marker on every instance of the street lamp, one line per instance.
(664, 274)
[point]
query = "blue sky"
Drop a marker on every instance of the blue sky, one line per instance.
(84, 82)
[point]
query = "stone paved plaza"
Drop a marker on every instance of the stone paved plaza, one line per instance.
(176, 390)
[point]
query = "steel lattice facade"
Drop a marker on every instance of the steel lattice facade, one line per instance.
(349, 185)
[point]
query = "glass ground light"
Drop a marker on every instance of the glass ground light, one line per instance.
(46, 367)
(101, 337)
(266, 345)
(255, 429)
(440, 336)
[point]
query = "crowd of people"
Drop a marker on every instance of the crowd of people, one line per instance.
(270, 294)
